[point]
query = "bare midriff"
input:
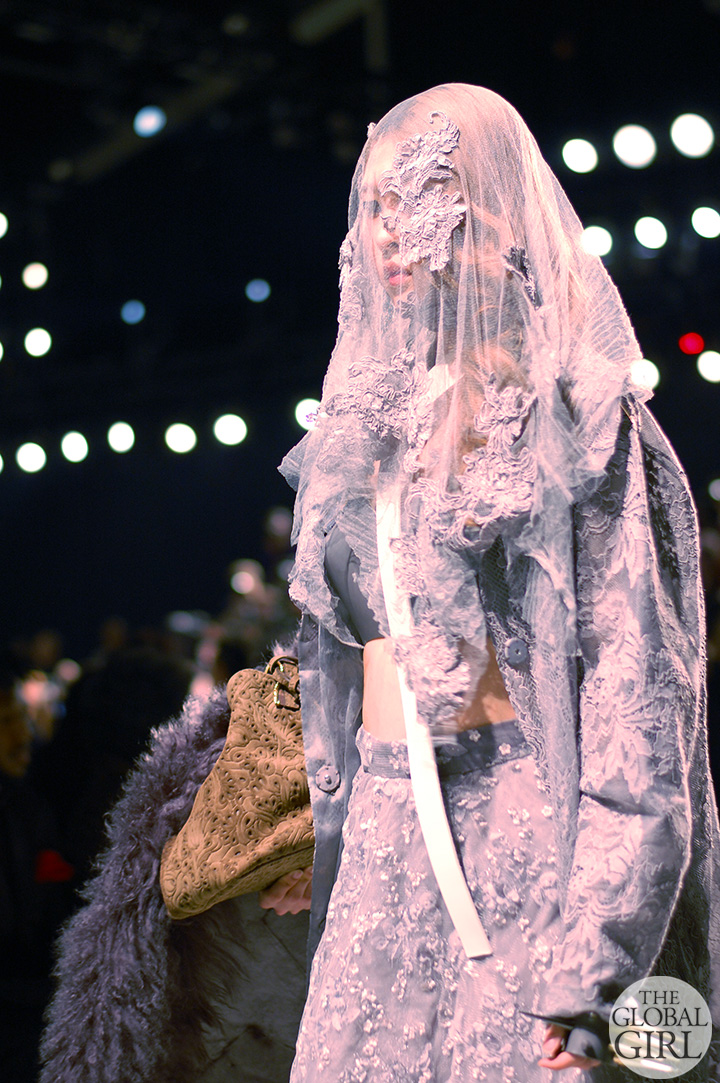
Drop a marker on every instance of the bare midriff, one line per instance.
(382, 708)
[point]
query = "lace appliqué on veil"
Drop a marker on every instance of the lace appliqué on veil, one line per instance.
(378, 393)
(500, 477)
(351, 303)
(427, 212)
(500, 474)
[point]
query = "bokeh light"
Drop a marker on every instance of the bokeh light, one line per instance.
(74, 447)
(706, 222)
(306, 413)
(230, 429)
(634, 146)
(257, 290)
(650, 232)
(2, 464)
(121, 437)
(3, 225)
(597, 240)
(34, 276)
(714, 488)
(30, 457)
(247, 577)
(2, 351)
(180, 438)
(645, 373)
(38, 342)
(149, 121)
(132, 312)
(691, 343)
(708, 365)
(692, 135)
(580, 156)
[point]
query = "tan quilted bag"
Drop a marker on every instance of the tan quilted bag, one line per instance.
(251, 822)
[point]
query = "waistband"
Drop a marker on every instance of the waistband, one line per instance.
(473, 750)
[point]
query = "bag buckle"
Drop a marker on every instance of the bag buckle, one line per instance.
(284, 695)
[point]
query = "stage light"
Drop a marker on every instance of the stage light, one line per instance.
(247, 577)
(714, 488)
(650, 232)
(180, 438)
(120, 437)
(230, 430)
(691, 343)
(35, 275)
(706, 222)
(634, 146)
(645, 373)
(257, 290)
(3, 225)
(149, 121)
(74, 447)
(132, 312)
(692, 135)
(708, 365)
(596, 240)
(580, 156)
(38, 342)
(306, 413)
(30, 458)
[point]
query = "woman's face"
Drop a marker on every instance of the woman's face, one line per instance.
(381, 211)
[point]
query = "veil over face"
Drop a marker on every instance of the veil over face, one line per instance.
(477, 380)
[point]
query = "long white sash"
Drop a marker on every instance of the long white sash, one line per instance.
(423, 765)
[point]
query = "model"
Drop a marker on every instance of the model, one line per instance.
(502, 644)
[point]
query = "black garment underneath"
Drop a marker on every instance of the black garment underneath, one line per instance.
(341, 568)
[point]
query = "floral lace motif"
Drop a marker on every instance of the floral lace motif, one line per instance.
(427, 212)
(392, 995)
(436, 672)
(500, 476)
(379, 393)
(497, 485)
(351, 303)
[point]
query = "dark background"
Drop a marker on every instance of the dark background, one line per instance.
(268, 104)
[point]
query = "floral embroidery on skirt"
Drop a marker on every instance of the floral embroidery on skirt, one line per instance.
(392, 997)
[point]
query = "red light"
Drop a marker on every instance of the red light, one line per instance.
(691, 343)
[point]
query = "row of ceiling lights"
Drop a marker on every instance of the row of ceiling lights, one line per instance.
(635, 146)
(229, 429)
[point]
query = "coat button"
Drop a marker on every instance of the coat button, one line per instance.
(516, 652)
(327, 778)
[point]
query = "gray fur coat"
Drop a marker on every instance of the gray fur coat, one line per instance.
(144, 999)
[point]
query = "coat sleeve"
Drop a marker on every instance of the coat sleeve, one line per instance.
(641, 712)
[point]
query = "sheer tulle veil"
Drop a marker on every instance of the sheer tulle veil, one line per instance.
(477, 380)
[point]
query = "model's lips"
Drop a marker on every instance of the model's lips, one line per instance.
(395, 275)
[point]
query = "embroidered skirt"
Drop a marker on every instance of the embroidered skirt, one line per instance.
(392, 997)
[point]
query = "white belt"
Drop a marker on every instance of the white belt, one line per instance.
(421, 758)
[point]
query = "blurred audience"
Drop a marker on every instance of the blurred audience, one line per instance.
(35, 892)
(109, 714)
